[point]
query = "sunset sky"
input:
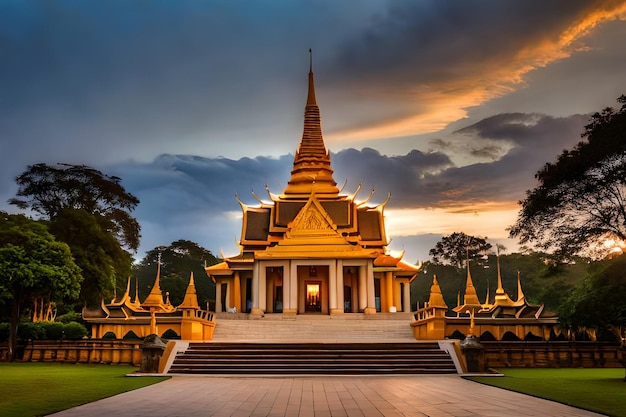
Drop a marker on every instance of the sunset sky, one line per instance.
(450, 106)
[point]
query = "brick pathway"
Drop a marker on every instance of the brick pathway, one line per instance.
(190, 396)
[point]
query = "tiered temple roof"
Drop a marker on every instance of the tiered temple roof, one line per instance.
(311, 218)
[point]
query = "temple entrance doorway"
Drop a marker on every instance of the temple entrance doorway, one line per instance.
(313, 289)
(313, 302)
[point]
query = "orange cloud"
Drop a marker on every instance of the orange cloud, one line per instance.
(439, 104)
(479, 219)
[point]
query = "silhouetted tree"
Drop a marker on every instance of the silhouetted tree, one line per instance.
(91, 212)
(580, 200)
(455, 248)
(48, 190)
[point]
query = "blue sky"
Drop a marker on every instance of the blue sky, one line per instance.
(450, 106)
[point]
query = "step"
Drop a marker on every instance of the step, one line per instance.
(313, 358)
(308, 327)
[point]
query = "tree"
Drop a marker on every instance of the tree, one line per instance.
(91, 212)
(597, 303)
(580, 200)
(48, 190)
(32, 263)
(178, 260)
(458, 246)
(103, 261)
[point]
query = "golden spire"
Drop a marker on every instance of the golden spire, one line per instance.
(470, 292)
(191, 299)
(501, 297)
(136, 302)
(436, 297)
(311, 171)
(155, 298)
(500, 289)
(520, 292)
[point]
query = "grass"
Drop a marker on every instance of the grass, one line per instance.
(599, 390)
(35, 389)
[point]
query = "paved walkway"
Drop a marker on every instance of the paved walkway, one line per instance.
(366, 396)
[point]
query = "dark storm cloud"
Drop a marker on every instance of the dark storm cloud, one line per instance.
(194, 197)
(536, 139)
(105, 81)
(102, 82)
(435, 40)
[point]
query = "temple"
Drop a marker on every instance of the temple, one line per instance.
(502, 319)
(312, 249)
(128, 317)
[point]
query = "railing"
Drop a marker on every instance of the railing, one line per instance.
(553, 354)
(115, 352)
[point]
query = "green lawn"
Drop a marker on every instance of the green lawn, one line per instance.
(35, 389)
(599, 390)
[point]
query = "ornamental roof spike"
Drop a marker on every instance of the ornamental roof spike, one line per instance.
(354, 194)
(271, 195)
(243, 205)
(369, 197)
(520, 292)
(256, 197)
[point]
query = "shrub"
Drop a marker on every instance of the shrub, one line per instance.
(109, 336)
(53, 330)
(69, 317)
(31, 331)
(75, 331)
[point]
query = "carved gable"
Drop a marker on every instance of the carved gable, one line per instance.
(312, 221)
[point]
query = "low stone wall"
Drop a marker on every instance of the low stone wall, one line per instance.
(496, 354)
(115, 352)
(553, 355)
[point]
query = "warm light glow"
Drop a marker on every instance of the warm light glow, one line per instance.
(614, 246)
(312, 294)
(484, 219)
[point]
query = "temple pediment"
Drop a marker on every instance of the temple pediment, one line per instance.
(312, 222)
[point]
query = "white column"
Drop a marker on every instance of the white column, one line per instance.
(407, 297)
(262, 272)
(287, 286)
(293, 284)
(362, 288)
(218, 297)
(332, 286)
(371, 295)
(339, 285)
(255, 290)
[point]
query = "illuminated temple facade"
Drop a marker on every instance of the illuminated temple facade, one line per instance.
(313, 249)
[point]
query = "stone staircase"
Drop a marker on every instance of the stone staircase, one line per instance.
(313, 359)
(274, 344)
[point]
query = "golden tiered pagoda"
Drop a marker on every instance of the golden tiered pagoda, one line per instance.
(312, 249)
(498, 320)
(128, 317)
